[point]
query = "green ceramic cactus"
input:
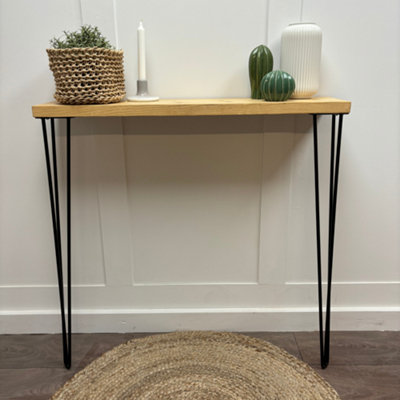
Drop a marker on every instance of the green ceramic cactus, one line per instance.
(277, 86)
(261, 62)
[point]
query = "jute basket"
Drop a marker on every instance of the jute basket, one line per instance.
(87, 75)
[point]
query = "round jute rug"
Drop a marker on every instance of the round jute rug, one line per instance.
(197, 365)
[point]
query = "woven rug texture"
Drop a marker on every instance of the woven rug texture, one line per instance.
(197, 365)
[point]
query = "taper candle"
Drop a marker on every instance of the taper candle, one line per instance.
(141, 52)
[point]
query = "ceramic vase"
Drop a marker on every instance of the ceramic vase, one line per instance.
(301, 57)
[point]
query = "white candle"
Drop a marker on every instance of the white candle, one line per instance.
(141, 52)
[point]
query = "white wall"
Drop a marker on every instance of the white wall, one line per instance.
(202, 223)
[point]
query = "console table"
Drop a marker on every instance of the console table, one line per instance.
(192, 107)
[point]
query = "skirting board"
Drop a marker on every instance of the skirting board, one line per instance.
(226, 319)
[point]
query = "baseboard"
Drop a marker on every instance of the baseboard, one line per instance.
(227, 319)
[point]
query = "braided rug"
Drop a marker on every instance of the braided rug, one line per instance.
(197, 365)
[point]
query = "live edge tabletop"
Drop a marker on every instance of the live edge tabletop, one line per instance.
(192, 107)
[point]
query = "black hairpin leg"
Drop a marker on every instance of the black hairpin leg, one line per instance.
(333, 188)
(52, 176)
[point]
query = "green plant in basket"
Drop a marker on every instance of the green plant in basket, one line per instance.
(86, 68)
(87, 36)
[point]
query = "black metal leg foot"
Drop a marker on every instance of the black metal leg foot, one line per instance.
(333, 189)
(52, 176)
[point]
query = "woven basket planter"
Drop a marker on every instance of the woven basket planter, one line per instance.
(87, 75)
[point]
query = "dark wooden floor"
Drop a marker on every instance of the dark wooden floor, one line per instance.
(364, 365)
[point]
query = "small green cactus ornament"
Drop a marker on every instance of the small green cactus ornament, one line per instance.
(261, 62)
(277, 86)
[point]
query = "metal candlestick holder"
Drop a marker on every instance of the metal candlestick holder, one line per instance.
(142, 93)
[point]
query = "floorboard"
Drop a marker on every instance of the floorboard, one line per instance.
(364, 365)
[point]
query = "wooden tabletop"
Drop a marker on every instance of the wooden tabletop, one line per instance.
(191, 107)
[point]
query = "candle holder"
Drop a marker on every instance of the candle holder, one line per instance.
(142, 93)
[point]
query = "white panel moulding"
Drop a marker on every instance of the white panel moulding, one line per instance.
(232, 319)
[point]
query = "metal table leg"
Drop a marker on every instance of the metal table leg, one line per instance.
(52, 176)
(333, 189)
(55, 213)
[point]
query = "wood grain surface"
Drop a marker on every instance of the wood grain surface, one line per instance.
(189, 107)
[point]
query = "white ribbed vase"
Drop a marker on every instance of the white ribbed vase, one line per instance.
(301, 57)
